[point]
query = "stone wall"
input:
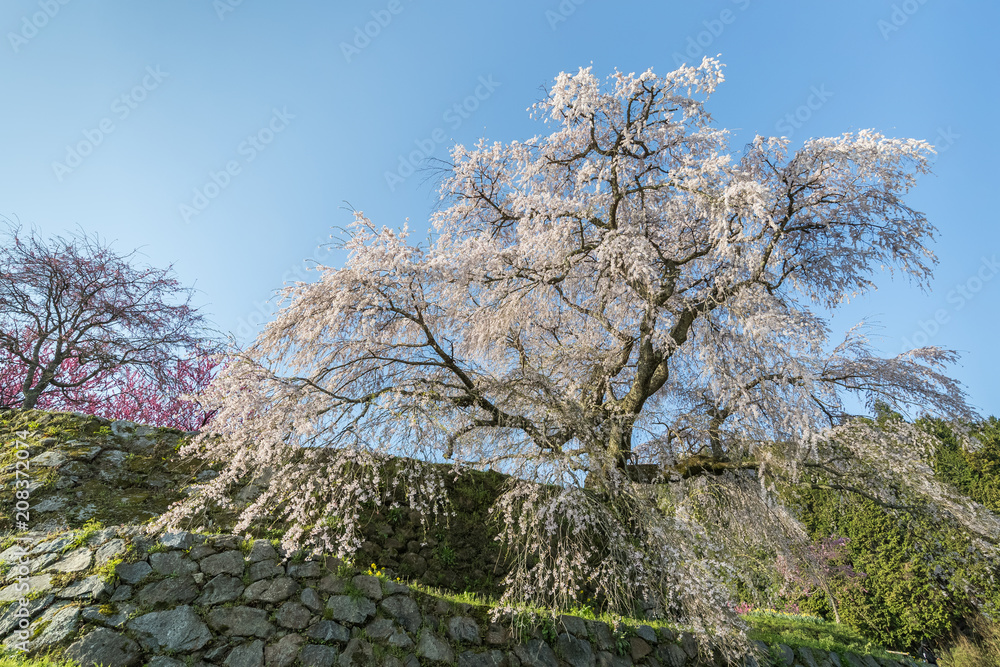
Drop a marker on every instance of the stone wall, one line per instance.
(85, 467)
(119, 597)
(116, 597)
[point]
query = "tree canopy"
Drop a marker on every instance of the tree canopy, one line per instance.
(84, 327)
(623, 289)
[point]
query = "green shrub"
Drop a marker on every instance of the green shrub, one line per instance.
(900, 601)
(922, 580)
(976, 474)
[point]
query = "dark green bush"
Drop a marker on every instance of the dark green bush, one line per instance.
(977, 473)
(921, 579)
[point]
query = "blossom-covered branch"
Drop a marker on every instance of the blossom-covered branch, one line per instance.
(620, 290)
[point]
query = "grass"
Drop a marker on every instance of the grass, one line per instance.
(246, 546)
(353, 592)
(771, 627)
(525, 618)
(796, 630)
(107, 571)
(19, 660)
(983, 651)
(446, 554)
(464, 597)
(346, 569)
(84, 534)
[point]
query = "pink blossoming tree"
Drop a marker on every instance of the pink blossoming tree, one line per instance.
(825, 564)
(124, 393)
(622, 290)
(84, 328)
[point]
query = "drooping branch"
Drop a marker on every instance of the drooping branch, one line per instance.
(616, 291)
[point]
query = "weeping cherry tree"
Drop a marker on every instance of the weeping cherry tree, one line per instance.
(629, 319)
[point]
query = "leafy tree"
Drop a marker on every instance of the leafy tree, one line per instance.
(923, 577)
(83, 327)
(619, 299)
(920, 579)
(821, 573)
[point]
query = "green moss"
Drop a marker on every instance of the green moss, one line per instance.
(134, 497)
(107, 571)
(37, 628)
(381, 650)
(139, 464)
(76, 452)
(125, 500)
(86, 532)
(62, 579)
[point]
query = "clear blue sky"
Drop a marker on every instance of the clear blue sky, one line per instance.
(161, 95)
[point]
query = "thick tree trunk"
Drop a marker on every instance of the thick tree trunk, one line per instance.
(715, 432)
(653, 473)
(620, 442)
(29, 401)
(32, 390)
